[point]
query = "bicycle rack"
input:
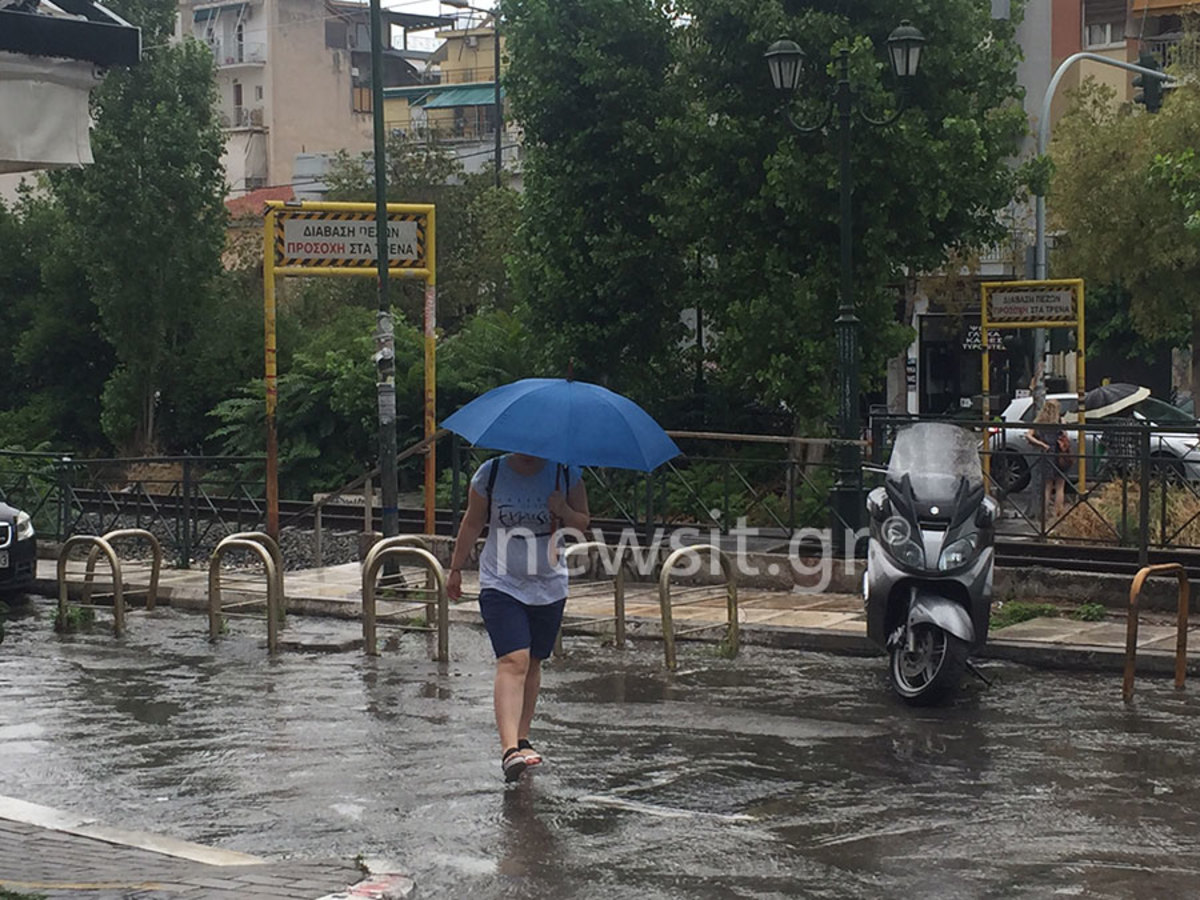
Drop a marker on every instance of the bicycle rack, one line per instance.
(618, 616)
(732, 636)
(155, 568)
(402, 548)
(1131, 627)
(261, 537)
(118, 588)
(275, 609)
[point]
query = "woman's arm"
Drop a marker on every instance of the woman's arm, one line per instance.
(468, 533)
(572, 510)
(1031, 436)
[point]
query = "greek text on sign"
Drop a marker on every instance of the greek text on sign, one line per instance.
(345, 241)
(1036, 305)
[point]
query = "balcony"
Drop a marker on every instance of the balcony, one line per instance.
(227, 54)
(1170, 49)
(242, 117)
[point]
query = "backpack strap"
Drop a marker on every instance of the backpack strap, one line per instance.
(491, 483)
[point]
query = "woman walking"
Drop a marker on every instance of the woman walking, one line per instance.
(523, 500)
(1049, 470)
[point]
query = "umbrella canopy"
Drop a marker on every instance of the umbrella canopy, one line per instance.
(568, 422)
(1109, 399)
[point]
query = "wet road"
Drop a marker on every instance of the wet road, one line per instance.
(779, 774)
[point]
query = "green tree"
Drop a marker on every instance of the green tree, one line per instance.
(760, 203)
(53, 360)
(148, 222)
(1120, 192)
(588, 83)
(475, 224)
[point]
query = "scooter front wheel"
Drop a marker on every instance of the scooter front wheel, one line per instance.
(932, 671)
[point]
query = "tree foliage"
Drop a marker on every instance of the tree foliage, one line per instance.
(475, 223)
(53, 361)
(588, 82)
(1121, 193)
(148, 222)
(761, 203)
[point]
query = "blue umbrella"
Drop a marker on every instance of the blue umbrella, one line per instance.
(569, 422)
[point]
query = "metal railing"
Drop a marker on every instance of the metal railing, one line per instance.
(188, 502)
(80, 540)
(1131, 626)
(267, 551)
(1127, 484)
(732, 635)
(400, 548)
(123, 534)
(617, 556)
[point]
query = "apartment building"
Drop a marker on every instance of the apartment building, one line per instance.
(456, 104)
(294, 77)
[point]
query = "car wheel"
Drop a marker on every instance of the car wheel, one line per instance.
(1010, 471)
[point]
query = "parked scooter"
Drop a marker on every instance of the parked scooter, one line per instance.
(928, 584)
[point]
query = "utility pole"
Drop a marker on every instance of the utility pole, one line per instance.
(385, 353)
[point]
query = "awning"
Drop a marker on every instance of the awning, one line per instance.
(466, 96)
(90, 32)
(45, 103)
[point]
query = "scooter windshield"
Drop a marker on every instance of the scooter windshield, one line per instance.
(937, 457)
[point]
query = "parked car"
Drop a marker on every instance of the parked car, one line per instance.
(1013, 455)
(18, 552)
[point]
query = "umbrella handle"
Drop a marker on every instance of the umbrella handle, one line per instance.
(554, 522)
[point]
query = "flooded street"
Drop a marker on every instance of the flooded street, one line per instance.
(777, 774)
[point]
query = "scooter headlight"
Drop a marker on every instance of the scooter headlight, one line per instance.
(958, 553)
(24, 526)
(897, 537)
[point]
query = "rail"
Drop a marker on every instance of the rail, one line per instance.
(118, 587)
(732, 637)
(216, 612)
(364, 481)
(155, 566)
(402, 548)
(618, 585)
(1131, 628)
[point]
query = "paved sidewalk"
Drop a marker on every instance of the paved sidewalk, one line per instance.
(53, 854)
(785, 619)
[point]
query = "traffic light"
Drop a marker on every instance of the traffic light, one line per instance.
(1151, 88)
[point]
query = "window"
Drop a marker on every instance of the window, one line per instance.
(1104, 23)
(1105, 34)
(258, 92)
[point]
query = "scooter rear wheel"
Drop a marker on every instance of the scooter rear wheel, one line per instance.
(932, 672)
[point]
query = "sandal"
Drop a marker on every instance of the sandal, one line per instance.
(513, 764)
(532, 757)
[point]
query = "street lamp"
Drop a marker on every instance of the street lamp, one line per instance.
(499, 109)
(785, 60)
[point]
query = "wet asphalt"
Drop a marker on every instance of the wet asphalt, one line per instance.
(777, 774)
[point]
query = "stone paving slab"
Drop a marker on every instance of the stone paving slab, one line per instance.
(55, 854)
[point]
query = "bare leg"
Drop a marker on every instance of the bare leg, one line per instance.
(533, 683)
(512, 673)
(1060, 501)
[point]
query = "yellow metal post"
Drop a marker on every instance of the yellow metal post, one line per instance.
(1080, 384)
(271, 373)
(430, 375)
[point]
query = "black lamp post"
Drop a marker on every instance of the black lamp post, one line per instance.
(785, 60)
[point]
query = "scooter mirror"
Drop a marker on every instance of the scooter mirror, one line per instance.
(878, 504)
(988, 512)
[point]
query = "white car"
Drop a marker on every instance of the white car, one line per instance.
(1012, 454)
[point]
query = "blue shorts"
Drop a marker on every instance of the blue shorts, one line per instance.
(513, 625)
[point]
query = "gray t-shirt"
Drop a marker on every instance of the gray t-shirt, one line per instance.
(515, 557)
